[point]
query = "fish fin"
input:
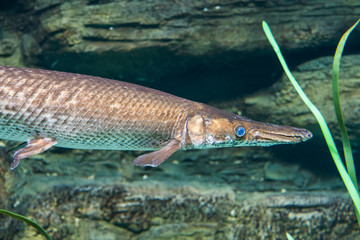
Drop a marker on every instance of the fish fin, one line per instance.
(153, 159)
(33, 147)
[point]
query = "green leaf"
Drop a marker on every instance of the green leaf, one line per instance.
(319, 117)
(289, 237)
(28, 221)
(336, 98)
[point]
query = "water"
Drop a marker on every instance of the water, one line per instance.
(219, 56)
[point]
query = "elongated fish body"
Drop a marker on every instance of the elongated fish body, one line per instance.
(87, 112)
(47, 108)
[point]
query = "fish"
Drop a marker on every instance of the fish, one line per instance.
(45, 108)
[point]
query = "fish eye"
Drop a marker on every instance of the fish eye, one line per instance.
(240, 131)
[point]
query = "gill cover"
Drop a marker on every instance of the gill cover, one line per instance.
(196, 130)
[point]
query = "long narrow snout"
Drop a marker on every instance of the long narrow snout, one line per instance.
(264, 134)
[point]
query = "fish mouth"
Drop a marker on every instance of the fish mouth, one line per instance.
(269, 134)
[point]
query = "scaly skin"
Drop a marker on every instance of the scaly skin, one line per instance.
(86, 112)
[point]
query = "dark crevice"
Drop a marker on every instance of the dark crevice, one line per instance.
(7, 5)
(214, 77)
(98, 2)
(47, 37)
(100, 39)
(48, 8)
(124, 25)
(51, 34)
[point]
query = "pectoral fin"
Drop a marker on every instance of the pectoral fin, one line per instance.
(153, 159)
(33, 147)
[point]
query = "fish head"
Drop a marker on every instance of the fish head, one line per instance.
(225, 129)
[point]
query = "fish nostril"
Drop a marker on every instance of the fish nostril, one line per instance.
(308, 135)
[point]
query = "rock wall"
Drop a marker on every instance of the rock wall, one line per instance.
(145, 211)
(179, 46)
(284, 104)
(213, 51)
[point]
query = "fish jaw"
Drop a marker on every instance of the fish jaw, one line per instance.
(265, 134)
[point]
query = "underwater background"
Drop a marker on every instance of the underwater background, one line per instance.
(209, 51)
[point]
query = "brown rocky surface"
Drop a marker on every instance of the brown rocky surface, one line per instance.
(210, 194)
(8, 226)
(281, 103)
(154, 210)
(172, 45)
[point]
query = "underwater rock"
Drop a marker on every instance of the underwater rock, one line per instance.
(281, 103)
(8, 226)
(10, 52)
(3, 173)
(147, 41)
(154, 210)
(4, 220)
(7, 48)
(208, 194)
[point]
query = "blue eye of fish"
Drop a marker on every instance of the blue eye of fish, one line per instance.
(240, 131)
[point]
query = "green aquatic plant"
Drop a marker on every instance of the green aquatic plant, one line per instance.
(336, 99)
(349, 176)
(289, 237)
(28, 221)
